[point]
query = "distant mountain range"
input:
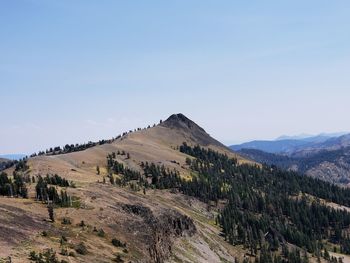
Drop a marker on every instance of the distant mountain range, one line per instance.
(288, 144)
(325, 156)
(309, 136)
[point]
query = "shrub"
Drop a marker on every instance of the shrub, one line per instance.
(101, 233)
(32, 255)
(66, 221)
(118, 243)
(49, 255)
(64, 252)
(81, 249)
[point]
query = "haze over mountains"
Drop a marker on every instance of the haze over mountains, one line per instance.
(325, 156)
(286, 144)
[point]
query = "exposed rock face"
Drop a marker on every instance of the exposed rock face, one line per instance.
(160, 229)
(183, 124)
(180, 121)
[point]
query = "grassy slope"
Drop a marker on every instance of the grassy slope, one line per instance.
(22, 221)
(153, 145)
(101, 204)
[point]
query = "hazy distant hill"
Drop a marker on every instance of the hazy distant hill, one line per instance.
(305, 136)
(297, 144)
(271, 146)
(287, 146)
(330, 144)
(328, 160)
(5, 163)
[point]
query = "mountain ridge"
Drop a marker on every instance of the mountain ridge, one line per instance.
(133, 211)
(291, 146)
(168, 193)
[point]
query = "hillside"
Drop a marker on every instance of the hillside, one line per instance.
(320, 157)
(169, 193)
(3, 160)
(4, 163)
(157, 144)
(328, 165)
(332, 144)
(103, 203)
(282, 161)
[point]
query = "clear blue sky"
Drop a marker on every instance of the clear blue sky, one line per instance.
(73, 71)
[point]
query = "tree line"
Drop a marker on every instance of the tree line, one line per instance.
(152, 175)
(47, 193)
(13, 187)
(69, 148)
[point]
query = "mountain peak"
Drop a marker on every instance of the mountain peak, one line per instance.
(180, 121)
(189, 129)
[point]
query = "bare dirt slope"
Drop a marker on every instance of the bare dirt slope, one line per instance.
(143, 222)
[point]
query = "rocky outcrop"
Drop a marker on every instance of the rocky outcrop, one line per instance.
(161, 228)
(187, 127)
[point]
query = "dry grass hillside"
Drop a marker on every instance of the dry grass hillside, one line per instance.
(151, 226)
(157, 144)
(158, 226)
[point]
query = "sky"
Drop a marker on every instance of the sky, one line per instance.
(74, 71)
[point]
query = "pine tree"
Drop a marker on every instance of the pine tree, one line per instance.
(51, 213)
